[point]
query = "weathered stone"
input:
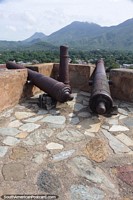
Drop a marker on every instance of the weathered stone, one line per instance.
(3, 150)
(22, 135)
(54, 112)
(39, 158)
(79, 99)
(122, 87)
(86, 123)
(63, 155)
(54, 145)
(15, 124)
(75, 94)
(130, 109)
(125, 139)
(70, 135)
(29, 127)
(88, 133)
(74, 120)
(38, 137)
(125, 173)
(13, 172)
(123, 111)
(7, 113)
(79, 75)
(94, 128)
(96, 150)
(105, 127)
(81, 192)
(54, 121)
(42, 112)
(48, 182)
(87, 94)
(71, 104)
(9, 131)
(33, 119)
(23, 115)
(122, 117)
(9, 90)
(115, 144)
(118, 128)
(78, 107)
(86, 103)
(18, 153)
(71, 115)
(83, 167)
(112, 121)
(84, 114)
(128, 122)
(10, 141)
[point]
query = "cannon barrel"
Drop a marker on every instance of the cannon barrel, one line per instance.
(100, 100)
(64, 65)
(54, 88)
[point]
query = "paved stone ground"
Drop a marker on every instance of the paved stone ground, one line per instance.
(67, 151)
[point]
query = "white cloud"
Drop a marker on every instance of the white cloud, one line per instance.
(11, 28)
(48, 16)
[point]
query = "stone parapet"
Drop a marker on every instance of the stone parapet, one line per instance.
(2, 66)
(79, 75)
(12, 83)
(45, 69)
(122, 87)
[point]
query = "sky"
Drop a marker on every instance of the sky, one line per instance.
(19, 19)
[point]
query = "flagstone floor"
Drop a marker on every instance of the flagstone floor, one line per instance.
(68, 151)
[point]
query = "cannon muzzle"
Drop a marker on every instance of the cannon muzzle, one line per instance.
(54, 88)
(100, 100)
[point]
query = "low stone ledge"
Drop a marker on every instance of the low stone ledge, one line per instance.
(122, 87)
(2, 66)
(11, 87)
(79, 75)
(45, 69)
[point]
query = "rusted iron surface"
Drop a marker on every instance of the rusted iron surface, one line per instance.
(55, 89)
(100, 101)
(64, 65)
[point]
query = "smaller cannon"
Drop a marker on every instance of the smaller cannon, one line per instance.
(64, 65)
(57, 90)
(100, 100)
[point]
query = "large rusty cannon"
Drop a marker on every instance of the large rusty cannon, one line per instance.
(100, 100)
(57, 90)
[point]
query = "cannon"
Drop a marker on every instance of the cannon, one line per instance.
(57, 90)
(100, 100)
(64, 65)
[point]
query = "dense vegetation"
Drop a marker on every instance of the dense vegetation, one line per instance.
(113, 59)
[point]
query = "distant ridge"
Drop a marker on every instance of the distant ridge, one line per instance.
(79, 36)
(35, 37)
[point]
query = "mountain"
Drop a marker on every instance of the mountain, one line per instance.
(80, 36)
(75, 31)
(90, 36)
(36, 37)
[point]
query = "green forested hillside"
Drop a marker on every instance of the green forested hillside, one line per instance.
(79, 36)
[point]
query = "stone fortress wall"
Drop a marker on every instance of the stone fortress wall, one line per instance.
(14, 87)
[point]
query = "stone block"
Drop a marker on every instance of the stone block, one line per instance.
(2, 66)
(45, 69)
(122, 87)
(12, 83)
(79, 75)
